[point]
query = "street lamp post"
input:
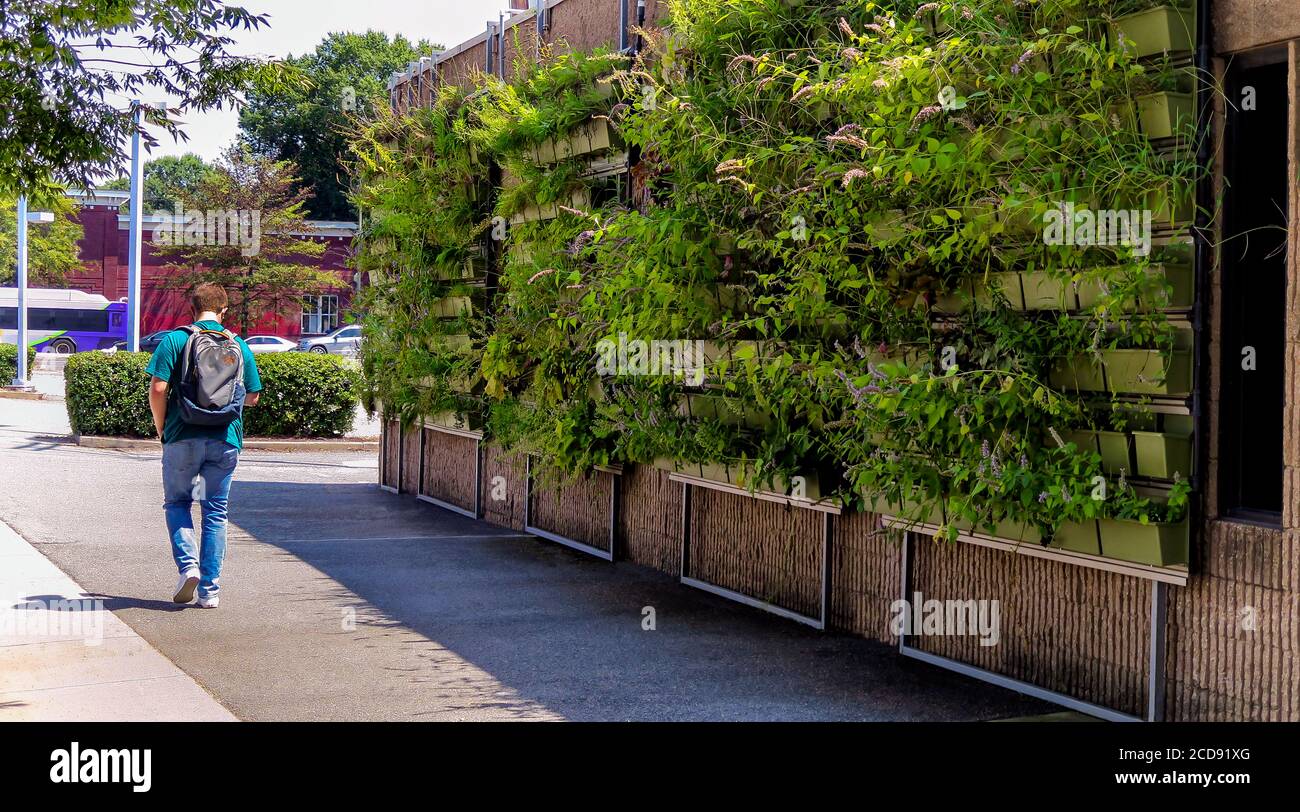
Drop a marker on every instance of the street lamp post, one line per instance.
(20, 281)
(134, 248)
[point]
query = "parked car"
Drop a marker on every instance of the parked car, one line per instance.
(147, 344)
(343, 341)
(150, 342)
(261, 344)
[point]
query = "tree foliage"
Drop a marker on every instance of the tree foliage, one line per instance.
(52, 248)
(67, 67)
(307, 125)
(166, 181)
(267, 268)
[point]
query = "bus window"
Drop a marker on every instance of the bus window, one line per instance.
(72, 321)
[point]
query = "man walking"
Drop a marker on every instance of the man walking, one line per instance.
(203, 376)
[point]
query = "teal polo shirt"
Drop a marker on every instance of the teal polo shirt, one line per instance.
(165, 365)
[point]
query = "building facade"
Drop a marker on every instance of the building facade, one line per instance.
(105, 251)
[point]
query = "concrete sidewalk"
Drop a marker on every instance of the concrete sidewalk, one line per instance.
(65, 657)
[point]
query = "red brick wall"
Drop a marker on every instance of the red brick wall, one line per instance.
(105, 269)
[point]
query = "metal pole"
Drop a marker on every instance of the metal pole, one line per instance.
(1156, 658)
(501, 45)
(20, 279)
(133, 255)
(622, 26)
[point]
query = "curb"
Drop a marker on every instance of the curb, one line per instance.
(16, 394)
(250, 444)
(91, 667)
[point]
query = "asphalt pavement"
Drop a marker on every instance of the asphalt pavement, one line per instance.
(342, 601)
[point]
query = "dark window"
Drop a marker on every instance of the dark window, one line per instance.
(1254, 294)
(72, 321)
(8, 318)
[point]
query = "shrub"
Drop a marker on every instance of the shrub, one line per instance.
(9, 362)
(108, 394)
(303, 395)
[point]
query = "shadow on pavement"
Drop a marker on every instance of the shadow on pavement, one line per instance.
(564, 630)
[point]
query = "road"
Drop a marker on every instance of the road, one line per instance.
(341, 601)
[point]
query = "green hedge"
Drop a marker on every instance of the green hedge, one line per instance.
(108, 394)
(9, 362)
(303, 395)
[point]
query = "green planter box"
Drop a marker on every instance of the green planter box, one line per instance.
(956, 300)
(1017, 531)
(1078, 375)
(1085, 440)
(579, 199)
(1160, 545)
(591, 136)
(1168, 211)
(718, 409)
(1163, 115)
(909, 512)
(1007, 530)
(1139, 372)
(742, 476)
(1008, 284)
(1157, 31)
(1181, 296)
(1182, 282)
(455, 421)
(451, 306)
(1079, 537)
(458, 343)
(1114, 448)
(1161, 456)
(1146, 372)
(1043, 291)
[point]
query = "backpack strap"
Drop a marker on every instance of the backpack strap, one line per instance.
(192, 331)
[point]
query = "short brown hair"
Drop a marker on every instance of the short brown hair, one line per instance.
(209, 297)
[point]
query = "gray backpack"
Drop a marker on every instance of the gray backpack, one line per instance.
(210, 391)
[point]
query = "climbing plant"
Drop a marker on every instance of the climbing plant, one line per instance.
(846, 207)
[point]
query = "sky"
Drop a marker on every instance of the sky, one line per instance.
(297, 26)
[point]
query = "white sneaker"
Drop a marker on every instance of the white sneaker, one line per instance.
(185, 587)
(209, 603)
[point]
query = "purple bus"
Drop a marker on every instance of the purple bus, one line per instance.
(63, 321)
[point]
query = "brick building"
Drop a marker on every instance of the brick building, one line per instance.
(105, 251)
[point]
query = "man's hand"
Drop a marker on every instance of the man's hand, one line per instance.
(158, 404)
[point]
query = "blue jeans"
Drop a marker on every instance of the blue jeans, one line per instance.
(198, 469)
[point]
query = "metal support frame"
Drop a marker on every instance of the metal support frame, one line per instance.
(1156, 657)
(476, 513)
(1155, 677)
(604, 555)
(615, 500)
(501, 46)
(686, 578)
(383, 470)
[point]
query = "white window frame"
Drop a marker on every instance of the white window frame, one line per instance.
(321, 312)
